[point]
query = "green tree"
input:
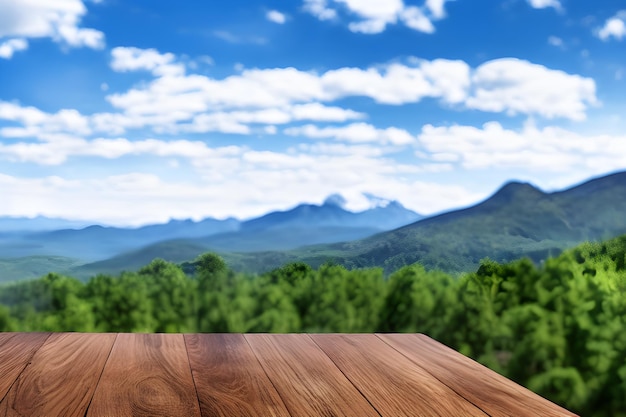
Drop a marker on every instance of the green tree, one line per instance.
(214, 282)
(172, 296)
(6, 322)
(68, 311)
(121, 304)
(418, 301)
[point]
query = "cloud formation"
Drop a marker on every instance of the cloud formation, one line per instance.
(126, 59)
(264, 180)
(550, 149)
(355, 133)
(258, 100)
(509, 85)
(58, 20)
(373, 17)
(615, 27)
(516, 86)
(9, 47)
(543, 4)
(276, 17)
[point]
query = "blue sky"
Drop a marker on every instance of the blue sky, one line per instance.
(134, 112)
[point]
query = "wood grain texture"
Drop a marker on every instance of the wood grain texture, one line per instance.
(492, 392)
(146, 375)
(229, 379)
(306, 379)
(61, 377)
(393, 384)
(279, 375)
(16, 351)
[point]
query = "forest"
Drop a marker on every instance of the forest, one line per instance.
(558, 328)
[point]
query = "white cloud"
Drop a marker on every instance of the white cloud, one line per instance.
(373, 9)
(398, 83)
(371, 26)
(57, 149)
(319, 112)
(178, 98)
(376, 15)
(516, 86)
(414, 18)
(373, 16)
(320, 9)
(436, 8)
(450, 79)
(8, 48)
(542, 4)
(238, 121)
(551, 149)
(25, 115)
(57, 19)
(614, 27)
(82, 37)
(176, 102)
(504, 85)
(134, 59)
(246, 182)
(355, 133)
(36, 123)
(556, 41)
(276, 17)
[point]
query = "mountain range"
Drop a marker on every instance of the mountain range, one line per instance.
(281, 230)
(518, 220)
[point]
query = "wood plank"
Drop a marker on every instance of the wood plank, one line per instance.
(61, 377)
(393, 384)
(490, 391)
(146, 375)
(16, 351)
(229, 379)
(306, 379)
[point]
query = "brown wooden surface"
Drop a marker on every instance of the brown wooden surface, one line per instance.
(402, 388)
(16, 350)
(229, 379)
(300, 375)
(61, 378)
(492, 392)
(307, 380)
(146, 375)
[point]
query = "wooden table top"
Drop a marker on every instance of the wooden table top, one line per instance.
(77, 374)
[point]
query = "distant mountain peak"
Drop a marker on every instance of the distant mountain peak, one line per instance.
(336, 200)
(378, 202)
(517, 189)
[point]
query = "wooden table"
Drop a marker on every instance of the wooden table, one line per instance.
(75, 374)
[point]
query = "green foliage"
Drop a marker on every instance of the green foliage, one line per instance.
(121, 304)
(558, 328)
(172, 296)
(418, 301)
(6, 322)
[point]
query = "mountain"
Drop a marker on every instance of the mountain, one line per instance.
(332, 213)
(37, 224)
(305, 224)
(276, 232)
(518, 220)
(33, 267)
(100, 242)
